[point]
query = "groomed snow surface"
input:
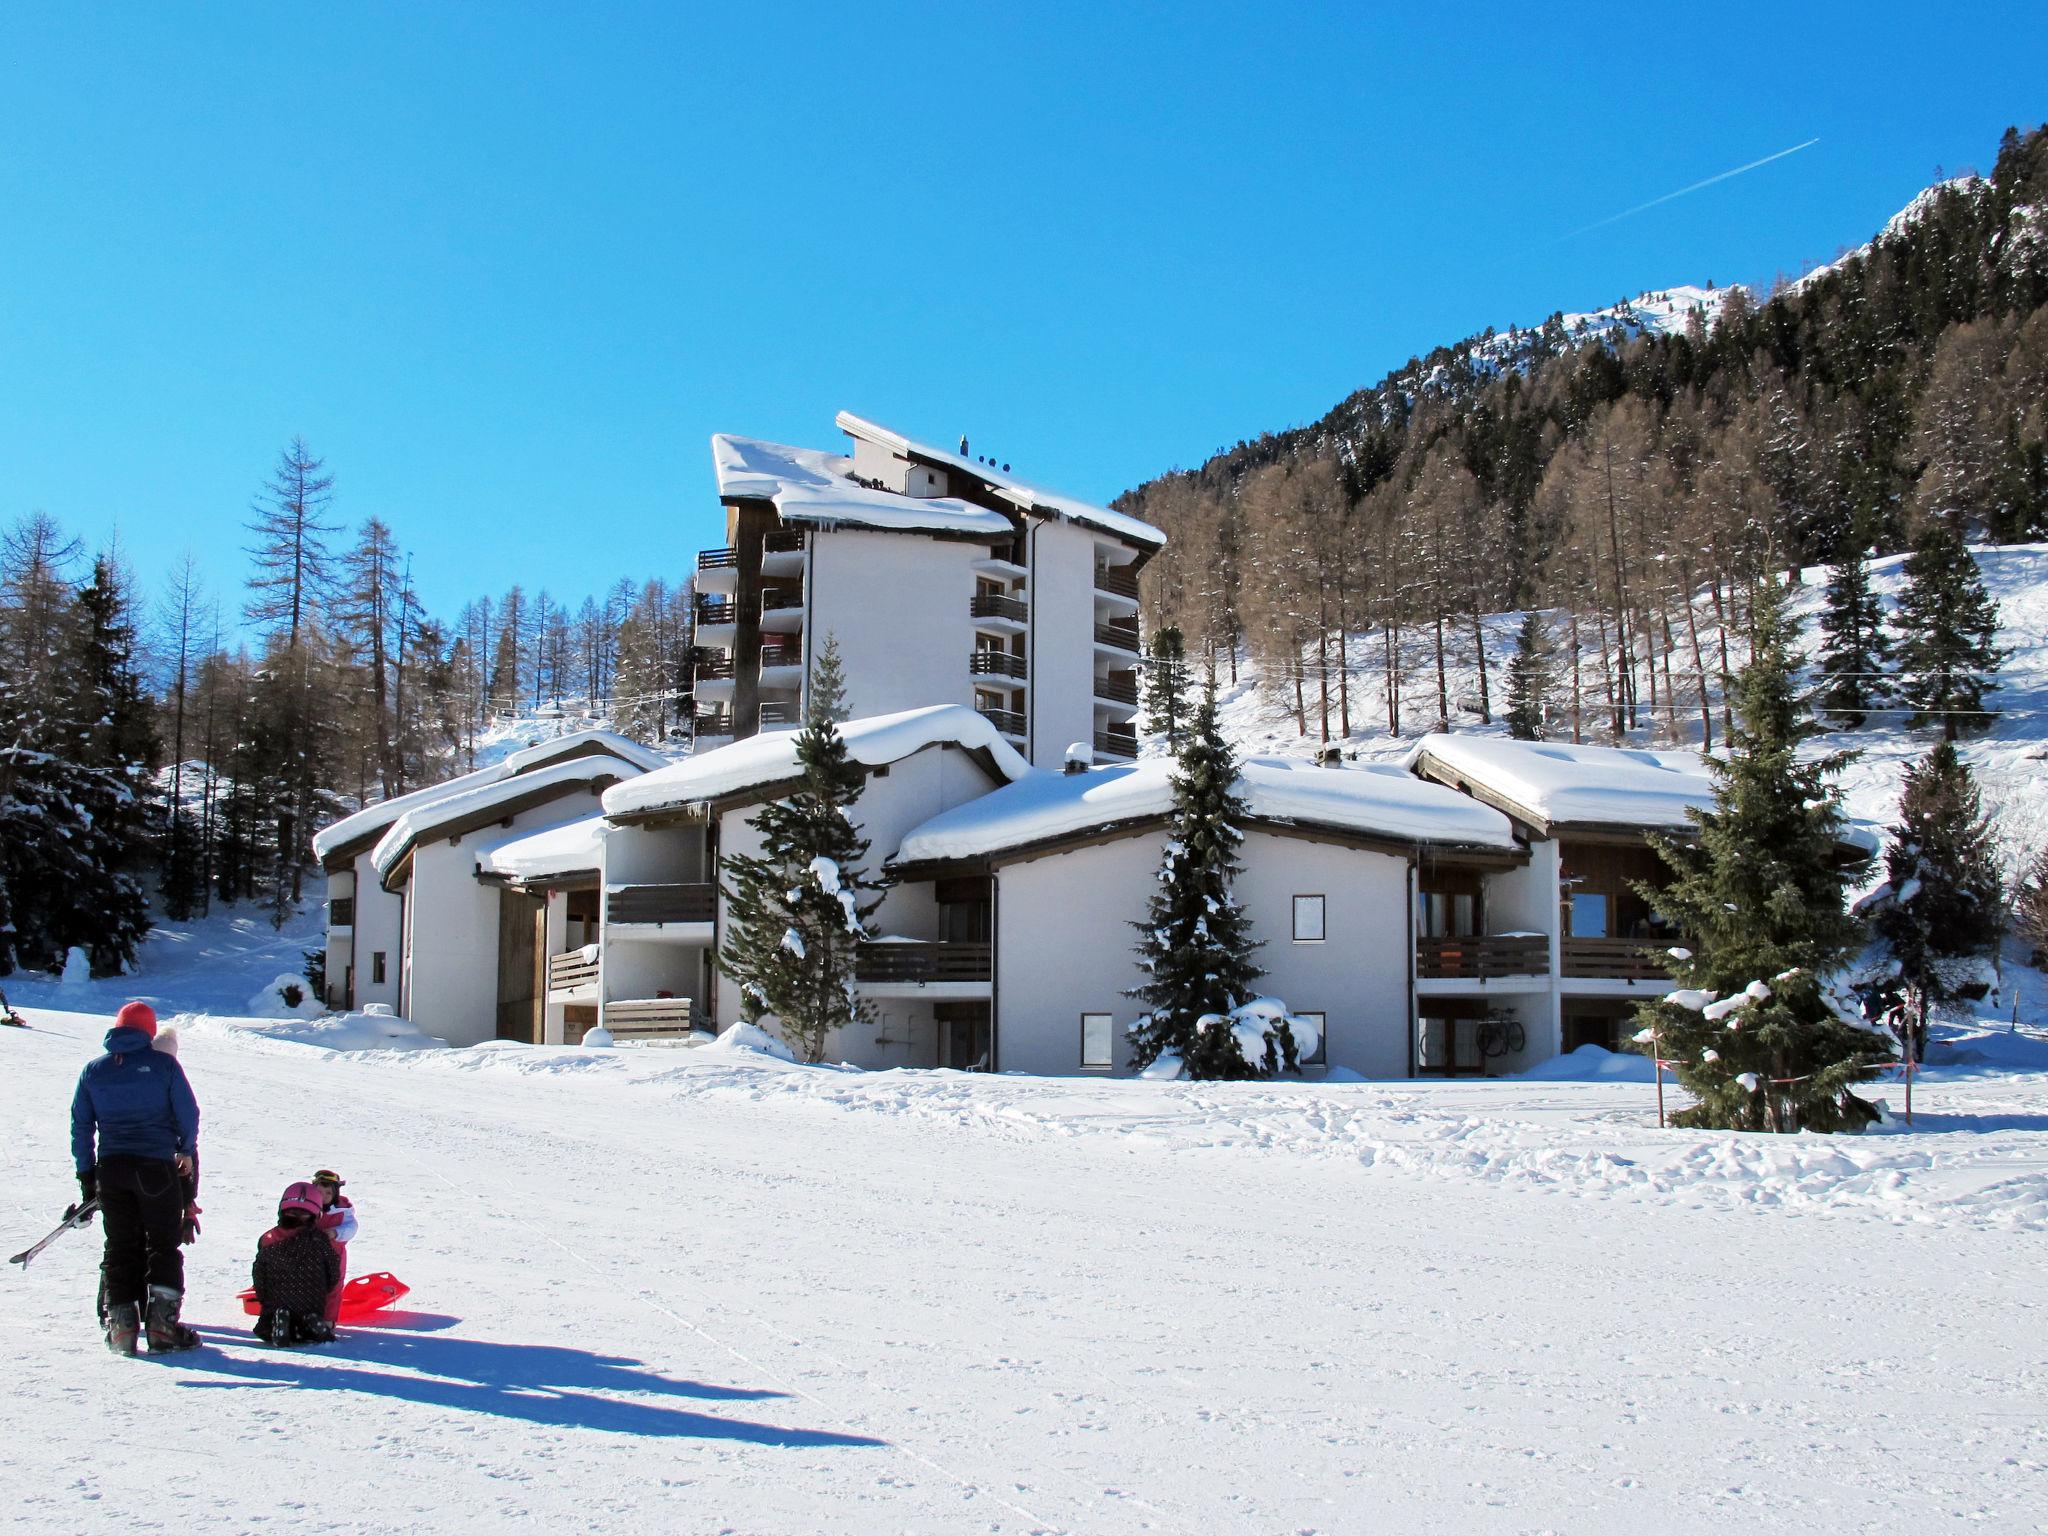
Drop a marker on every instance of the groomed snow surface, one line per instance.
(709, 1290)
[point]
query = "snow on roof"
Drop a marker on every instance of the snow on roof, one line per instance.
(374, 818)
(1562, 783)
(1381, 801)
(770, 758)
(568, 849)
(808, 486)
(421, 820)
(1026, 496)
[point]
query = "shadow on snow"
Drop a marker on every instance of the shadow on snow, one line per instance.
(532, 1383)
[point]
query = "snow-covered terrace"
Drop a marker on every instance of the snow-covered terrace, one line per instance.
(769, 759)
(553, 853)
(808, 486)
(1044, 807)
(375, 818)
(1553, 784)
(1024, 495)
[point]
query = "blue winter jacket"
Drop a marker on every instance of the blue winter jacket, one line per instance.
(138, 1102)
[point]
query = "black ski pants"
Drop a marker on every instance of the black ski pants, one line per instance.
(142, 1203)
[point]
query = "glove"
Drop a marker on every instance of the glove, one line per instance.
(189, 1232)
(88, 1186)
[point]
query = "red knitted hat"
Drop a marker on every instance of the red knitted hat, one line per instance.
(137, 1016)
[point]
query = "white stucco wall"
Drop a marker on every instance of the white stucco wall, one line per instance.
(1064, 947)
(899, 605)
(1061, 645)
(378, 915)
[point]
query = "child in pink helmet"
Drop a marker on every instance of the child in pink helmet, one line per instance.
(338, 1221)
(296, 1267)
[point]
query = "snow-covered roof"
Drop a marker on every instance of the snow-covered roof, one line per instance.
(1377, 801)
(1555, 783)
(422, 820)
(374, 818)
(770, 758)
(808, 486)
(571, 848)
(1027, 497)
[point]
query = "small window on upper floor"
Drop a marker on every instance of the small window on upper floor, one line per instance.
(1308, 919)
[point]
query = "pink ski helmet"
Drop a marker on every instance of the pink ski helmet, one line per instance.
(300, 1197)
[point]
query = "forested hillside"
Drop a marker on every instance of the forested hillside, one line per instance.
(1632, 473)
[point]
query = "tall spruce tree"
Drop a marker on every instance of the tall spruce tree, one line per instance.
(1758, 1032)
(1195, 943)
(1947, 625)
(799, 910)
(1941, 908)
(1529, 679)
(1854, 649)
(825, 700)
(1166, 684)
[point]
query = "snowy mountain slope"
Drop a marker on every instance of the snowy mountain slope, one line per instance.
(937, 1302)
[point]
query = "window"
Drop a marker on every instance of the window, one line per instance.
(377, 967)
(1320, 1056)
(1446, 915)
(1095, 1040)
(1589, 915)
(1308, 919)
(341, 912)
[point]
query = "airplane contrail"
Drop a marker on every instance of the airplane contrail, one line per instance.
(1628, 213)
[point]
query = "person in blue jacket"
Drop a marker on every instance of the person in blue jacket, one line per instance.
(135, 1140)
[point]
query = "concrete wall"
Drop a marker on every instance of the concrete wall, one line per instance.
(1064, 947)
(899, 606)
(378, 915)
(1061, 645)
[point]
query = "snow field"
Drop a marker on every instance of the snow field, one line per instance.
(712, 1291)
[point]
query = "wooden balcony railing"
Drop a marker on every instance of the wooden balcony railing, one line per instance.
(781, 656)
(1116, 579)
(648, 1018)
(1617, 959)
(691, 903)
(1116, 743)
(721, 612)
(1123, 636)
(782, 541)
(1482, 957)
(575, 969)
(717, 559)
(713, 665)
(995, 664)
(991, 605)
(1009, 721)
(897, 962)
(712, 722)
(780, 599)
(1119, 688)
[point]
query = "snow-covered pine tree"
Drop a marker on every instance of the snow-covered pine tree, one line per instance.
(2030, 908)
(1758, 1032)
(1196, 944)
(1529, 679)
(1855, 648)
(799, 910)
(1947, 623)
(825, 700)
(1941, 907)
(1166, 684)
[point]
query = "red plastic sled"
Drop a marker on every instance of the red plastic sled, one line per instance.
(362, 1297)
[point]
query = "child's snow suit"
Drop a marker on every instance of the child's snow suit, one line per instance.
(295, 1269)
(339, 1223)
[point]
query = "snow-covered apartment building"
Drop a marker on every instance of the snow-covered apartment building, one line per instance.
(1472, 909)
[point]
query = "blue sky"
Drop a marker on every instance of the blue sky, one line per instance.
(506, 267)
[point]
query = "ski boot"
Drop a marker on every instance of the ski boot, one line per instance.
(274, 1328)
(124, 1325)
(166, 1333)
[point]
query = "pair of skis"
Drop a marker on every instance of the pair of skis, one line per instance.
(77, 1216)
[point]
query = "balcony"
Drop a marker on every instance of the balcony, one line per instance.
(711, 722)
(1118, 688)
(1118, 637)
(781, 656)
(999, 611)
(783, 541)
(995, 664)
(1617, 959)
(578, 968)
(775, 714)
(1116, 744)
(711, 666)
(717, 559)
(691, 903)
(1009, 721)
(782, 610)
(1481, 957)
(648, 1018)
(897, 962)
(1117, 580)
(711, 614)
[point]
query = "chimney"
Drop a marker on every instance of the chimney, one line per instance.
(1331, 757)
(1080, 757)
(963, 445)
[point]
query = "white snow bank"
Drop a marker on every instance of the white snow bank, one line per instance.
(1560, 782)
(571, 848)
(274, 1000)
(541, 753)
(1589, 1064)
(770, 758)
(415, 823)
(369, 1029)
(808, 486)
(1377, 800)
(752, 1040)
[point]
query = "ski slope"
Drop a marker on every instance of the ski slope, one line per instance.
(716, 1292)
